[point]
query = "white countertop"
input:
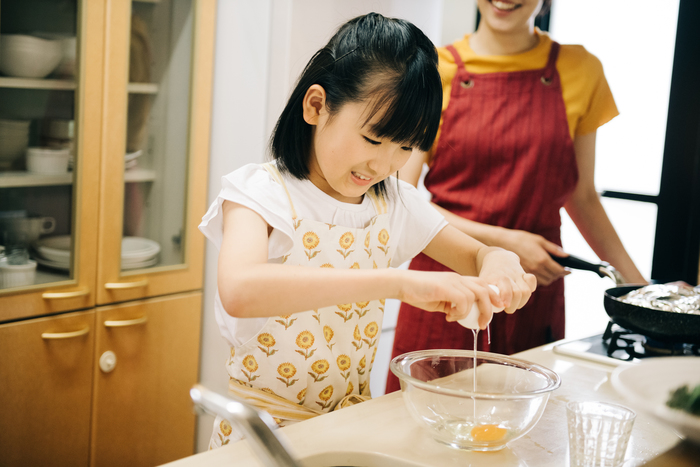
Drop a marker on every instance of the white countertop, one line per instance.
(381, 432)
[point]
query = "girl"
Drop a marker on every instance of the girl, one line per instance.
(306, 242)
(516, 144)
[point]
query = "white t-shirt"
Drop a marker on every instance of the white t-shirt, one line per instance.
(414, 223)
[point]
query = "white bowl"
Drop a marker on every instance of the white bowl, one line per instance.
(28, 56)
(48, 160)
(12, 275)
(648, 385)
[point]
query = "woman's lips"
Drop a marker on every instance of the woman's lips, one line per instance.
(504, 6)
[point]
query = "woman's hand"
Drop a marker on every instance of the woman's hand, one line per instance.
(534, 252)
(502, 268)
(449, 293)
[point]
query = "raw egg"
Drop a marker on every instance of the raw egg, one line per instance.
(488, 433)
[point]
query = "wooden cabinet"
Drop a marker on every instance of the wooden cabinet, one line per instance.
(102, 387)
(142, 414)
(133, 110)
(46, 371)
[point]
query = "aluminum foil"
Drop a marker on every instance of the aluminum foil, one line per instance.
(666, 297)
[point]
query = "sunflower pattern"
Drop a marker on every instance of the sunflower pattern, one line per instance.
(304, 341)
(287, 372)
(251, 365)
(224, 432)
(371, 331)
(383, 238)
(266, 343)
(362, 309)
(344, 310)
(325, 396)
(346, 241)
(357, 338)
(286, 321)
(344, 363)
(316, 358)
(328, 335)
(318, 368)
(311, 241)
(367, 249)
(361, 366)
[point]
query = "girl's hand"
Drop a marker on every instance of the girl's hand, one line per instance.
(502, 269)
(449, 293)
(534, 252)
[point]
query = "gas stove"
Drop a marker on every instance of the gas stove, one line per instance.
(617, 345)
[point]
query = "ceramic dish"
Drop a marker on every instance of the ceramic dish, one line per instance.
(648, 385)
(60, 265)
(55, 248)
(138, 249)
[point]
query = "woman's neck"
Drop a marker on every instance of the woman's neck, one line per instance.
(486, 41)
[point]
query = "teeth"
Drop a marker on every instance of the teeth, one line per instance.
(361, 177)
(503, 5)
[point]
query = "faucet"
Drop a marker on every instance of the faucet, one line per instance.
(256, 424)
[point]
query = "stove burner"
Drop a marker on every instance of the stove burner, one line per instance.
(626, 345)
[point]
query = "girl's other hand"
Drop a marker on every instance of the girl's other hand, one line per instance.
(534, 252)
(502, 268)
(450, 293)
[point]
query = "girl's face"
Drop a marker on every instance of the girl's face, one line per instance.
(508, 15)
(346, 158)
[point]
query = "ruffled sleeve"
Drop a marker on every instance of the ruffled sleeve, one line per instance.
(253, 187)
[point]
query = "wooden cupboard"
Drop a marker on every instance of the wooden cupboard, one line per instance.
(135, 105)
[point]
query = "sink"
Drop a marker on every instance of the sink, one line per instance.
(354, 459)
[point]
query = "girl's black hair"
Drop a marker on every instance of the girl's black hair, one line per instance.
(387, 62)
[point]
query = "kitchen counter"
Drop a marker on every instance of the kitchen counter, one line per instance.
(381, 432)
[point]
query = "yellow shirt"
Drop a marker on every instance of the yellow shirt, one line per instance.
(587, 97)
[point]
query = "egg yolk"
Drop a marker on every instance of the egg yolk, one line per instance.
(488, 433)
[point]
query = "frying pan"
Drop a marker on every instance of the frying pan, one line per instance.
(662, 325)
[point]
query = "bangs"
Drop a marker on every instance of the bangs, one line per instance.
(409, 114)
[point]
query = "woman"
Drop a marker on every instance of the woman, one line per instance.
(516, 143)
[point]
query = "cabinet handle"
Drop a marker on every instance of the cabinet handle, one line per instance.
(65, 335)
(72, 294)
(125, 322)
(126, 285)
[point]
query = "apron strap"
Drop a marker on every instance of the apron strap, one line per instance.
(282, 409)
(272, 170)
(551, 68)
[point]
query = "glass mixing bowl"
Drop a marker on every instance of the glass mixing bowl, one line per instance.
(509, 399)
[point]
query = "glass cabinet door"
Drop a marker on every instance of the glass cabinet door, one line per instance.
(154, 159)
(43, 155)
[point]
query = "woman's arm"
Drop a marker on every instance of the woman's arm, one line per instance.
(533, 250)
(587, 212)
(251, 287)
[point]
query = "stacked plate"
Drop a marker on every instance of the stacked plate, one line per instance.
(130, 159)
(137, 252)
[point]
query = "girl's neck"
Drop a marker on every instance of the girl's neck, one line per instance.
(487, 41)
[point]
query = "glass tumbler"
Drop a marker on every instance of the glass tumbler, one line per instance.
(598, 433)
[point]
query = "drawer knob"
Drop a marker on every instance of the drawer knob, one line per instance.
(108, 361)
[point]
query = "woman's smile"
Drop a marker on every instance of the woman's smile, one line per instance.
(504, 6)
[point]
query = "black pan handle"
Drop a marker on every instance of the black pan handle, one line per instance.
(574, 262)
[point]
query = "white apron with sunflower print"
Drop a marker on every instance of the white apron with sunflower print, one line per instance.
(306, 364)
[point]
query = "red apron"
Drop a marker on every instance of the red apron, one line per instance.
(505, 157)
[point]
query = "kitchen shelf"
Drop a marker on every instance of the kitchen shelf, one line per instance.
(31, 83)
(139, 175)
(142, 88)
(25, 179)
